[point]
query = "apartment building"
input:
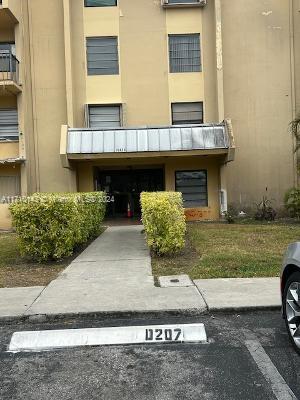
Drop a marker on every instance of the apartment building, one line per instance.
(140, 95)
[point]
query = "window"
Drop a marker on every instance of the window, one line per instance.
(9, 127)
(7, 59)
(8, 48)
(9, 186)
(102, 56)
(104, 116)
(187, 113)
(193, 186)
(184, 53)
(100, 3)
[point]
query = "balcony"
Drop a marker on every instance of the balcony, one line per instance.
(9, 74)
(8, 18)
(212, 139)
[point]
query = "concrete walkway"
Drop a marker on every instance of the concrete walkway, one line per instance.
(114, 275)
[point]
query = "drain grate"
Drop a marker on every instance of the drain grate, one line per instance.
(175, 281)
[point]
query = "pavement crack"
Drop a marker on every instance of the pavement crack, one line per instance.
(202, 296)
(28, 308)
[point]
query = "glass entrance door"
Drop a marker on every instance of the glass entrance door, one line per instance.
(125, 186)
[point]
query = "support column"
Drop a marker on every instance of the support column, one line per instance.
(219, 52)
(68, 62)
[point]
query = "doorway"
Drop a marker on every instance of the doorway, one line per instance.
(125, 187)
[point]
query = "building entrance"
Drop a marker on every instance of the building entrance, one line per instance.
(125, 187)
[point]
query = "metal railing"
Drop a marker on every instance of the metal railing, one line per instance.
(9, 66)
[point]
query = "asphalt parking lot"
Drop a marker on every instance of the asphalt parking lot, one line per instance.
(248, 357)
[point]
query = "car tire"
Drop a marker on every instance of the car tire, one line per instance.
(291, 303)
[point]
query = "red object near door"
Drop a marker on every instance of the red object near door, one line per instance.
(129, 212)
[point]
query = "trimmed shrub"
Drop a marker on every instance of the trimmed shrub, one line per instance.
(292, 202)
(164, 221)
(50, 226)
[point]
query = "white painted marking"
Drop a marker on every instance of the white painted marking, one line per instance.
(57, 339)
(280, 388)
(267, 13)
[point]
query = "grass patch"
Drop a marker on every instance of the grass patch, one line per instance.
(217, 250)
(18, 271)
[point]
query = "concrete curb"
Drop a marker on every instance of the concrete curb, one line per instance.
(42, 318)
(243, 309)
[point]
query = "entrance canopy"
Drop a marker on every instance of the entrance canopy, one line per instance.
(146, 142)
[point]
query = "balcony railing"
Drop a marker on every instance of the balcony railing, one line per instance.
(9, 67)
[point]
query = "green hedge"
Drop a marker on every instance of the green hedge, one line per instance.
(50, 226)
(164, 221)
(292, 202)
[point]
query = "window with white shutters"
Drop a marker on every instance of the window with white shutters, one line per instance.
(9, 128)
(102, 116)
(187, 113)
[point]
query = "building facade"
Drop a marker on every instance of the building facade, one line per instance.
(134, 95)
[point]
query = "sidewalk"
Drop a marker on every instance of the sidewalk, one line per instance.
(113, 275)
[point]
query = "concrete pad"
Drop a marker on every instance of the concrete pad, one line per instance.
(240, 293)
(15, 301)
(61, 299)
(113, 268)
(175, 281)
(117, 243)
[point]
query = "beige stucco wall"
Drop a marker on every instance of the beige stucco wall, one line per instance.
(144, 87)
(102, 22)
(258, 98)
(5, 217)
(9, 150)
(295, 20)
(144, 63)
(49, 91)
(185, 86)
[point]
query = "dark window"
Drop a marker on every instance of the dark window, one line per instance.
(193, 186)
(105, 116)
(187, 113)
(184, 53)
(100, 3)
(102, 56)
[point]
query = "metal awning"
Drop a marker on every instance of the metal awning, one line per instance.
(161, 139)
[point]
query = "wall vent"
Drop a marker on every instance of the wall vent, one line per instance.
(184, 3)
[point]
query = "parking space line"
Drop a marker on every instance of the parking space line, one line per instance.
(280, 388)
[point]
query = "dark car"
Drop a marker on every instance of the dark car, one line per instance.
(290, 292)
